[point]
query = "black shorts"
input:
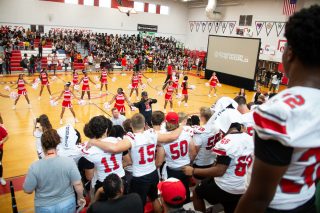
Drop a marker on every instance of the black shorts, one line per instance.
(183, 178)
(308, 207)
(200, 167)
(211, 192)
(145, 186)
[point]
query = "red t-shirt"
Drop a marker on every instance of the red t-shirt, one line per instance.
(3, 134)
(169, 70)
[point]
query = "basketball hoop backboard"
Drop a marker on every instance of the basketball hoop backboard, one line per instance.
(127, 10)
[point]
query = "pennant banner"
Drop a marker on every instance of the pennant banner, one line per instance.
(216, 26)
(197, 26)
(224, 25)
(210, 25)
(191, 25)
(232, 24)
(259, 25)
(204, 25)
(279, 27)
(269, 25)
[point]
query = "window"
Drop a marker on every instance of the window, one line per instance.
(245, 20)
(164, 10)
(105, 3)
(71, 1)
(88, 2)
(138, 6)
(152, 8)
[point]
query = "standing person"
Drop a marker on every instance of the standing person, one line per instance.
(40, 49)
(175, 79)
(32, 63)
(55, 62)
(49, 62)
(168, 96)
(25, 63)
(287, 152)
(110, 199)
(75, 78)
(1, 65)
(242, 93)
(185, 88)
(120, 98)
(124, 63)
(145, 107)
(117, 118)
(8, 63)
(38, 63)
(199, 67)
(21, 91)
(104, 80)
(66, 103)
(280, 76)
(169, 75)
(3, 138)
(66, 62)
(213, 82)
(54, 179)
(85, 86)
(44, 78)
(41, 125)
(274, 83)
(178, 153)
(267, 78)
(134, 85)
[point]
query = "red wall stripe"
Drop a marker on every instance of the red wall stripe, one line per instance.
(96, 3)
(146, 7)
(60, 1)
(158, 9)
(125, 3)
(80, 2)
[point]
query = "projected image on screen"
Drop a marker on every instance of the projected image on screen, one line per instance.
(233, 56)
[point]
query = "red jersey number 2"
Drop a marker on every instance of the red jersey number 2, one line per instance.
(294, 100)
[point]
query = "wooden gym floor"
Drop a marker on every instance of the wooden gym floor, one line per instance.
(19, 150)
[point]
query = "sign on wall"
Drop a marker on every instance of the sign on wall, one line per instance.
(147, 28)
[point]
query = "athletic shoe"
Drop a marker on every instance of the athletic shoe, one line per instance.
(61, 122)
(209, 96)
(14, 107)
(186, 105)
(29, 106)
(171, 110)
(50, 97)
(100, 93)
(137, 99)
(164, 111)
(76, 120)
(214, 95)
(3, 181)
(90, 102)
(179, 103)
(39, 98)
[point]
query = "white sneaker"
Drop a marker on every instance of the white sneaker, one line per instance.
(39, 98)
(50, 97)
(186, 105)
(30, 106)
(61, 122)
(179, 103)
(90, 102)
(137, 99)
(164, 111)
(214, 95)
(3, 181)
(100, 93)
(209, 96)
(76, 120)
(129, 98)
(14, 107)
(171, 110)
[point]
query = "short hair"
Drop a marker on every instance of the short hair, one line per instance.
(117, 131)
(137, 121)
(127, 125)
(50, 139)
(112, 186)
(195, 120)
(113, 109)
(157, 118)
(240, 100)
(205, 112)
(303, 35)
(97, 126)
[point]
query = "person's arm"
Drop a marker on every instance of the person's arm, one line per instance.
(60, 96)
(210, 79)
(121, 146)
(137, 105)
(153, 101)
(270, 164)
(80, 81)
(30, 183)
(75, 179)
(126, 160)
(1, 121)
(98, 194)
(127, 100)
(74, 95)
(78, 187)
(91, 81)
(160, 156)
(172, 136)
(192, 150)
(5, 134)
(112, 100)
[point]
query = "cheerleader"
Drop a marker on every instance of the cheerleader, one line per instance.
(75, 78)
(66, 103)
(85, 86)
(134, 84)
(213, 84)
(44, 77)
(104, 80)
(185, 88)
(21, 91)
(175, 80)
(168, 96)
(120, 98)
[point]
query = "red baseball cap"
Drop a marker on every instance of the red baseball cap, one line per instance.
(172, 118)
(172, 191)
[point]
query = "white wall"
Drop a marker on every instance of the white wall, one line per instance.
(97, 19)
(262, 10)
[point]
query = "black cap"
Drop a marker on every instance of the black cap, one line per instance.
(144, 93)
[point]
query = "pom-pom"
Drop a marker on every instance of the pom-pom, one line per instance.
(82, 102)
(106, 105)
(96, 78)
(113, 79)
(192, 87)
(76, 87)
(133, 108)
(207, 84)
(7, 88)
(98, 86)
(143, 86)
(160, 93)
(149, 80)
(54, 78)
(53, 102)
(130, 86)
(13, 95)
(35, 85)
(37, 80)
(219, 85)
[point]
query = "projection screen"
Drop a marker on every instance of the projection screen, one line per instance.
(233, 55)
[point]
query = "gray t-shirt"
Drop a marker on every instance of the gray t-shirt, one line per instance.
(52, 180)
(119, 120)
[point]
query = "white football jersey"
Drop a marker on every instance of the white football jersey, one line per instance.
(68, 137)
(205, 137)
(292, 118)
(248, 122)
(177, 152)
(143, 150)
(105, 163)
(239, 147)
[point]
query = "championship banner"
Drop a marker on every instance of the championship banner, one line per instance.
(147, 28)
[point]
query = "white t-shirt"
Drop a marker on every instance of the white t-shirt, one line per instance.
(177, 152)
(239, 147)
(105, 163)
(275, 79)
(143, 148)
(205, 137)
(292, 118)
(37, 134)
(119, 120)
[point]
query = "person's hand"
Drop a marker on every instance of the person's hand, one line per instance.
(90, 143)
(188, 170)
(81, 202)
